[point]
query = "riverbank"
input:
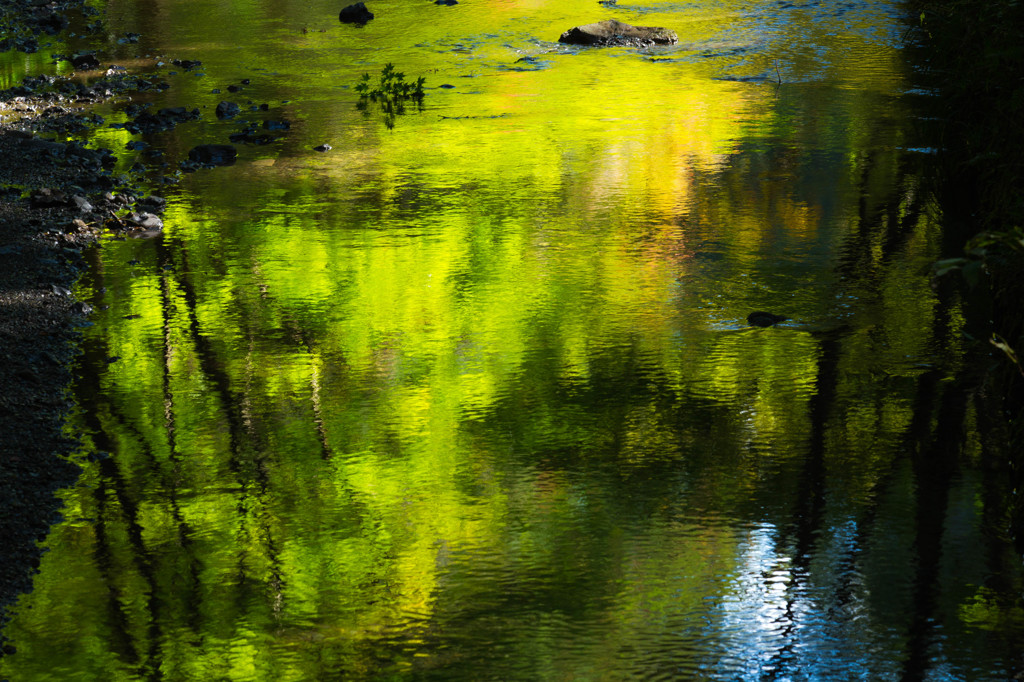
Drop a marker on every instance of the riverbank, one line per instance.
(968, 53)
(53, 198)
(40, 259)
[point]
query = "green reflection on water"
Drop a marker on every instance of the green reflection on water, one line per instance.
(475, 398)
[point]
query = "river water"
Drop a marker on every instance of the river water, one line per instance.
(472, 395)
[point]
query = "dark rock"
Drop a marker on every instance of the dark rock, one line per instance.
(213, 154)
(165, 119)
(762, 319)
(52, 22)
(155, 202)
(81, 308)
(179, 114)
(448, 3)
(85, 62)
(249, 136)
(615, 33)
(187, 64)
(46, 198)
(355, 14)
(227, 109)
(282, 124)
(322, 147)
(45, 147)
(97, 158)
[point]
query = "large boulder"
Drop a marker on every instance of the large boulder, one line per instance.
(613, 33)
(355, 14)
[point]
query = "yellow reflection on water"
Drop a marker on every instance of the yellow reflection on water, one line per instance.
(477, 393)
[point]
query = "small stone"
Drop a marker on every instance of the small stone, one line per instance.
(227, 110)
(148, 221)
(81, 203)
(322, 147)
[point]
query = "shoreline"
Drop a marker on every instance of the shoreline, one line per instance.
(41, 258)
(55, 200)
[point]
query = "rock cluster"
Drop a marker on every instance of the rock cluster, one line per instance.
(615, 33)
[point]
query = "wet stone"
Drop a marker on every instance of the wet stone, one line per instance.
(85, 62)
(615, 33)
(227, 110)
(355, 14)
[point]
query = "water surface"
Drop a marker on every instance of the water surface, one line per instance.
(474, 396)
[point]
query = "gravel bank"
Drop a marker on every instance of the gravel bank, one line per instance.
(44, 229)
(40, 259)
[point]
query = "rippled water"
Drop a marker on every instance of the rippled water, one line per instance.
(475, 397)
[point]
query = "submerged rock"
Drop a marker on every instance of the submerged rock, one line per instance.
(213, 154)
(165, 119)
(355, 14)
(762, 319)
(85, 62)
(187, 64)
(615, 33)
